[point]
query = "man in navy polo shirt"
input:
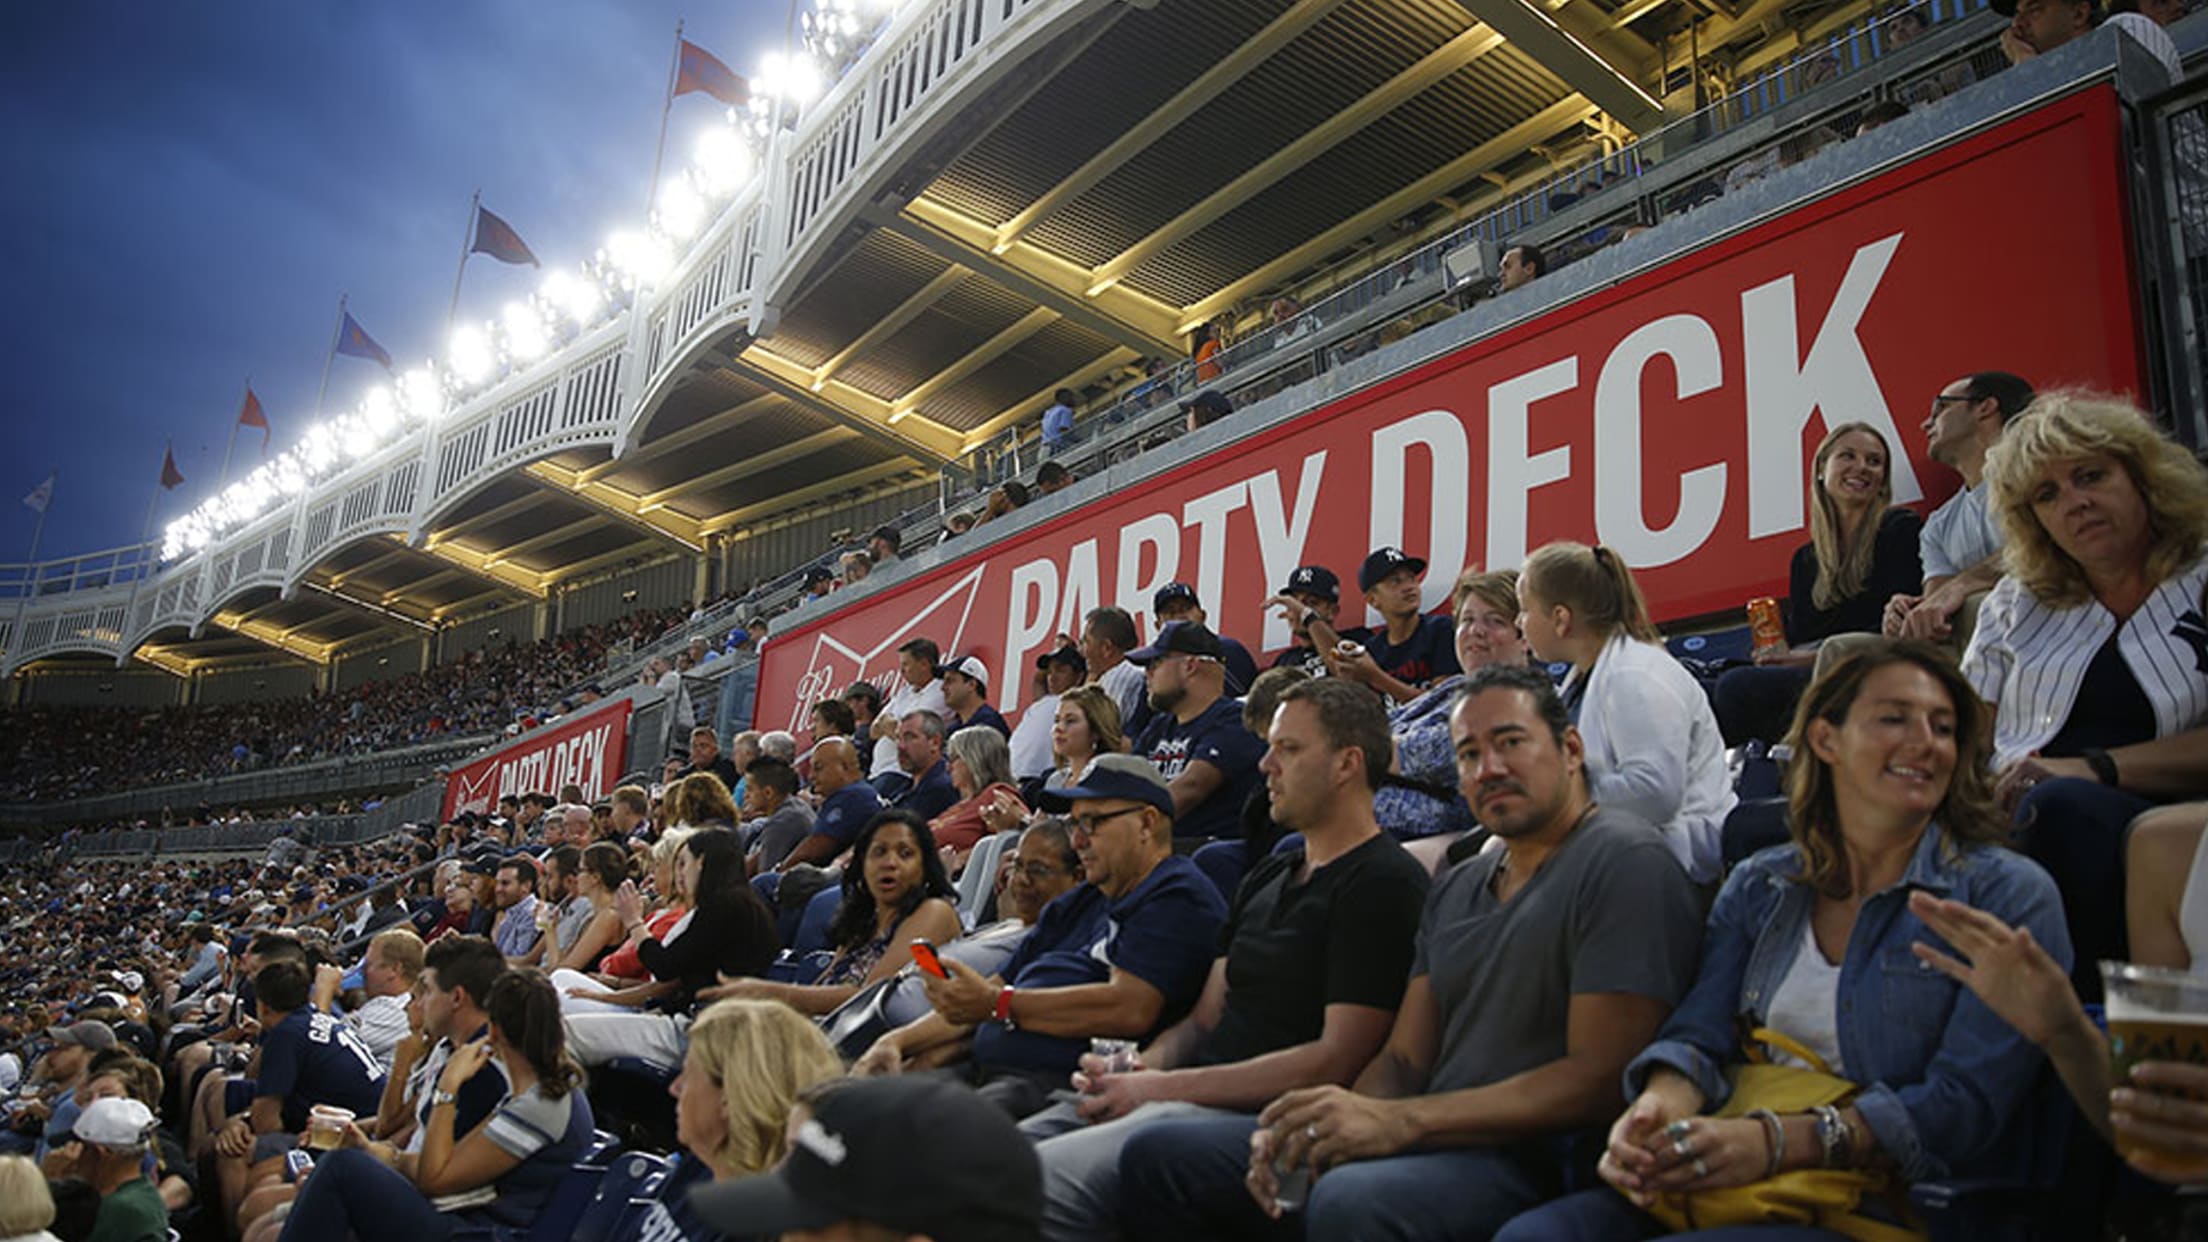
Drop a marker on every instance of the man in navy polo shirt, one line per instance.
(966, 693)
(1195, 736)
(920, 754)
(1408, 651)
(846, 803)
(1124, 955)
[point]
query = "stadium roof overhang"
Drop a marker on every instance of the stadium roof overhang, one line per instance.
(1146, 171)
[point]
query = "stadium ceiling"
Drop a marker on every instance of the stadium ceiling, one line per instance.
(1158, 167)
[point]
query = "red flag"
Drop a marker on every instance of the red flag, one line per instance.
(700, 70)
(251, 416)
(170, 475)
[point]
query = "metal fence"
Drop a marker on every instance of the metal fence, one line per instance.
(2178, 149)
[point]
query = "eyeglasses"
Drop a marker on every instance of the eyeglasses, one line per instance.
(1944, 399)
(1038, 873)
(1086, 825)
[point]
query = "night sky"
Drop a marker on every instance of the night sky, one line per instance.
(188, 188)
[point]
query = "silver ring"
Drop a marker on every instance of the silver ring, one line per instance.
(1679, 1129)
(1680, 1146)
(1311, 1132)
(1701, 1170)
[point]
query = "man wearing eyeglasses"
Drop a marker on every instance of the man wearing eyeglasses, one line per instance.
(1961, 542)
(1123, 956)
(1195, 736)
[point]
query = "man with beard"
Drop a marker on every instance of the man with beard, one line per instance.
(1195, 736)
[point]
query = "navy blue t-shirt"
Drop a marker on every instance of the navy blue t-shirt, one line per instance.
(313, 1058)
(670, 1218)
(1428, 655)
(1215, 737)
(845, 811)
(930, 795)
(1163, 932)
(983, 715)
(1241, 665)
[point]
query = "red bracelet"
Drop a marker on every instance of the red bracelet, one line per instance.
(1004, 1007)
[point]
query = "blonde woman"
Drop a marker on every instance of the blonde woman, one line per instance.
(747, 1064)
(2092, 650)
(1862, 551)
(1652, 741)
(26, 1207)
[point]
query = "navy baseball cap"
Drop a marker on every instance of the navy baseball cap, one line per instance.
(1313, 580)
(1180, 638)
(914, 1153)
(1071, 657)
(1384, 562)
(1115, 776)
(1174, 593)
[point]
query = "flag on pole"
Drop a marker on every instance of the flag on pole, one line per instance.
(42, 495)
(171, 477)
(354, 342)
(701, 70)
(498, 239)
(251, 416)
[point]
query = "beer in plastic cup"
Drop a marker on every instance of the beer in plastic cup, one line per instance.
(1118, 1055)
(326, 1126)
(2156, 1014)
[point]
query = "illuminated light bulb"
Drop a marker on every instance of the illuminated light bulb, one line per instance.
(381, 410)
(578, 299)
(723, 161)
(681, 210)
(420, 396)
(470, 354)
(526, 337)
(359, 441)
(641, 258)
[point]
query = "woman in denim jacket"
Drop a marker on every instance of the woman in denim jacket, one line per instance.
(1889, 794)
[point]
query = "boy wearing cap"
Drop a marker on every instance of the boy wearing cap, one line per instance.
(1177, 601)
(114, 1133)
(1195, 736)
(966, 693)
(1408, 651)
(1062, 670)
(1313, 593)
(897, 1156)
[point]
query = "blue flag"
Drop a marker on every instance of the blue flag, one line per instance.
(354, 342)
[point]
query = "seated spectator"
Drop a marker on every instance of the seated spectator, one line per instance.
(729, 932)
(66, 1067)
(980, 766)
(1888, 796)
(1318, 943)
(26, 1206)
(748, 1064)
(1087, 726)
(864, 699)
(1062, 670)
(599, 872)
(121, 1075)
(856, 565)
(518, 1154)
(1195, 736)
(1961, 543)
(1123, 956)
(894, 892)
(966, 694)
(1107, 635)
(701, 801)
(114, 1136)
(1313, 593)
(1421, 797)
(1176, 601)
(1540, 969)
(919, 689)
(846, 803)
(706, 756)
(775, 818)
(1521, 265)
(630, 814)
(888, 1158)
(1652, 741)
(621, 981)
(1205, 408)
(2037, 27)
(461, 915)
(819, 581)
(925, 789)
(388, 970)
(1884, 112)
(1409, 651)
(957, 524)
(515, 929)
(1862, 552)
(562, 909)
(2104, 522)
(1052, 477)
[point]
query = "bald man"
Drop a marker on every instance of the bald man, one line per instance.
(846, 803)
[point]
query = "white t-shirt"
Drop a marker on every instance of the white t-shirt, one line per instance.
(902, 702)
(1805, 1006)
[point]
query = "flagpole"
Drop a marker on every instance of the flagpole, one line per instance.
(232, 447)
(335, 334)
(467, 243)
(30, 569)
(145, 532)
(666, 105)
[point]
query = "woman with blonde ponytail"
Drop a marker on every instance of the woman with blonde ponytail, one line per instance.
(1652, 741)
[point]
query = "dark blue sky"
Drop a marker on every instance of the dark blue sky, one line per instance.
(187, 189)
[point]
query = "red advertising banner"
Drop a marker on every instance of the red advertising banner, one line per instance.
(586, 749)
(1671, 417)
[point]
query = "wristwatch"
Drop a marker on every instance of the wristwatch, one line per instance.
(441, 1096)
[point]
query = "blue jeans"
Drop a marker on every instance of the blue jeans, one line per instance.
(1182, 1178)
(353, 1194)
(1605, 1215)
(2075, 828)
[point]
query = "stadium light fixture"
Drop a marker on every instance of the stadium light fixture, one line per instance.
(681, 209)
(723, 161)
(421, 396)
(381, 411)
(642, 260)
(470, 354)
(794, 78)
(577, 298)
(526, 337)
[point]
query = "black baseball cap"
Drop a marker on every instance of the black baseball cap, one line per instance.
(1069, 656)
(913, 1153)
(1115, 776)
(1180, 638)
(818, 573)
(1386, 561)
(1174, 593)
(1313, 580)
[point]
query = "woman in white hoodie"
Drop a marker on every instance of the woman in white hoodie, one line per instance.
(1653, 746)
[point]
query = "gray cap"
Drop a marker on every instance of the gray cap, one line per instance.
(98, 1036)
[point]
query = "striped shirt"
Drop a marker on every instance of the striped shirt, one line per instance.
(2029, 659)
(1959, 534)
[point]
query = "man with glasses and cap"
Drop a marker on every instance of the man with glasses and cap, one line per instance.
(1123, 956)
(1195, 736)
(1407, 652)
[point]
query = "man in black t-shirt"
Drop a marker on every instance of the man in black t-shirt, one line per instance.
(1314, 958)
(1195, 735)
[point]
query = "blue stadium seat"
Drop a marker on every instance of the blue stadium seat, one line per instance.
(1732, 644)
(795, 964)
(568, 1200)
(642, 1068)
(610, 1213)
(1753, 824)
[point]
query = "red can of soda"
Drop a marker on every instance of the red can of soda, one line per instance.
(1765, 624)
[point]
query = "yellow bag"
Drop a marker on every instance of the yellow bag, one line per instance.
(1826, 1198)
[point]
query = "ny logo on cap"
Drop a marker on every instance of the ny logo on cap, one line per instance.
(816, 1138)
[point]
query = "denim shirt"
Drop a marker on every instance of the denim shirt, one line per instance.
(1942, 1077)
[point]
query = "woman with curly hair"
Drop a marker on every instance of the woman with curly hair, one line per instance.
(2093, 650)
(700, 800)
